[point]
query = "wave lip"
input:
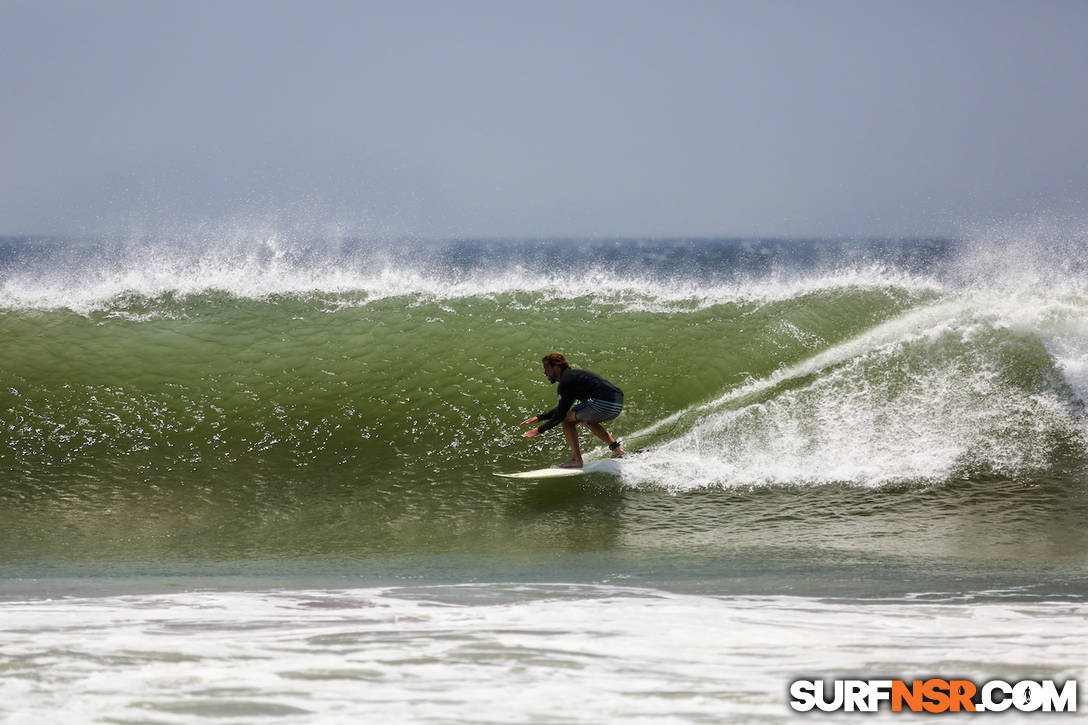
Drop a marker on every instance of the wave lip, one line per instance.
(345, 288)
(102, 277)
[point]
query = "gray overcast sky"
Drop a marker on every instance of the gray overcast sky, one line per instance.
(530, 119)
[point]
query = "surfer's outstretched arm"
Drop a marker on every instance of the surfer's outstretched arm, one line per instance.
(531, 433)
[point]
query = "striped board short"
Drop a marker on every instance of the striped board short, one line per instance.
(597, 411)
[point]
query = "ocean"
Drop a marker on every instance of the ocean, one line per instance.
(246, 477)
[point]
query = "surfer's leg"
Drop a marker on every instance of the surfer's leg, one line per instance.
(570, 430)
(599, 431)
(595, 412)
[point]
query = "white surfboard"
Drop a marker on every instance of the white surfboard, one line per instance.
(608, 465)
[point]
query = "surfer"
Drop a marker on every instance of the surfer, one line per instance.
(601, 401)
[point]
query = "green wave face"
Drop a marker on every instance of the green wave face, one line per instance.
(343, 422)
(394, 387)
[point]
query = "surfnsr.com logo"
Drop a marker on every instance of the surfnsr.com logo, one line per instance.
(934, 695)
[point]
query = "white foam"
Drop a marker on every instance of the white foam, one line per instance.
(915, 399)
(571, 653)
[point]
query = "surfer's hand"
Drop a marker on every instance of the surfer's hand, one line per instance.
(531, 433)
(530, 421)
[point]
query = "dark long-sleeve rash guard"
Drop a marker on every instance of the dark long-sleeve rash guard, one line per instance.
(578, 385)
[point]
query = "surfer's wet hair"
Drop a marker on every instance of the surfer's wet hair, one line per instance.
(557, 360)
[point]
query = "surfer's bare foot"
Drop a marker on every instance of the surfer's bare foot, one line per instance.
(619, 453)
(572, 463)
